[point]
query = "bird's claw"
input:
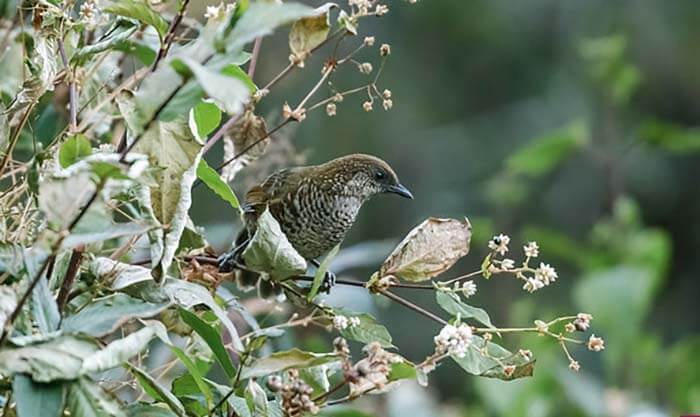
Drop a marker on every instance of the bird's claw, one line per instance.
(227, 261)
(328, 282)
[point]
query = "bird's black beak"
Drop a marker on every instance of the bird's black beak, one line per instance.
(400, 190)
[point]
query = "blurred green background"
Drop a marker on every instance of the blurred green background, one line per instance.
(570, 123)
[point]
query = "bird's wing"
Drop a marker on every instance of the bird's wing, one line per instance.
(270, 193)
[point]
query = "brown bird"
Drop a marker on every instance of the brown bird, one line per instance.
(315, 205)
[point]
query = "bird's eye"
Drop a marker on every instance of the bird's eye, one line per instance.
(379, 175)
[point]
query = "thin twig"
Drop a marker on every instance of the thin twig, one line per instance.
(170, 35)
(15, 137)
(72, 271)
(412, 306)
(254, 57)
(72, 91)
(330, 392)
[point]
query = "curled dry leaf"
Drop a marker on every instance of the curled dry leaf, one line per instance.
(429, 249)
(309, 32)
(245, 136)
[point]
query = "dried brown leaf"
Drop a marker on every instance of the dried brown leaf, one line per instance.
(309, 32)
(245, 136)
(429, 249)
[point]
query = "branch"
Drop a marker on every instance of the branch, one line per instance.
(254, 57)
(170, 35)
(72, 91)
(72, 271)
(13, 141)
(414, 307)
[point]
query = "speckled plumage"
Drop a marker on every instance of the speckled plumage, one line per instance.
(316, 205)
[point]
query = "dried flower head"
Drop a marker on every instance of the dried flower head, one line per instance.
(372, 371)
(509, 370)
(583, 321)
(369, 41)
(385, 49)
(331, 109)
(340, 322)
(596, 344)
(574, 365)
(386, 94)
(365, 67)
(337, 97)
(387, 104)
(367, 106)
(532, 284)
(381, 9)
(507, 264)
(570, 328)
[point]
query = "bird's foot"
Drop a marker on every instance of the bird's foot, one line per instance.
(328, 282)
(228, 261)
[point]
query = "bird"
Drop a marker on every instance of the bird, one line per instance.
(315, 207)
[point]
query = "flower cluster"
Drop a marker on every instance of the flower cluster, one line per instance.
(467, 288)
(296, 394)
(454, 340)
(89, 14)
(341, 322)
(534, 278)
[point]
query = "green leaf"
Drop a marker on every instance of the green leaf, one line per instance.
(113, 232)
(543, 154)
(74, 149)
(671, 137)
(44, 307)
(256, 399)
(213, 339)
(8, 303)
(454, 306)
(147, 410)
(109, 313)
(229, 93)
(87, 399)
(36, 399)
(269, 250)
(261, 18)
(367, 331)
(429, 249)
(173, 149)
(56, 359)
(158, 391)
(321, 272)
(141, 11)
(402, 370)
(309, 32)
(207, 118)
(120, 350)
(233, 70)
(284, 360)
(196, 375)
(492, 364)
(213, 180)
(118, 40)
(141, 51)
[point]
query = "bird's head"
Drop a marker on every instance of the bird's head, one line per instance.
(366, 175)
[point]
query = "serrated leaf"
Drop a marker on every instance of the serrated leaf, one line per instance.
(36, 399)
(429, 249)
(73, 149)
(105, 315)
(141, 11)
(309, 32)
(213, 180)
(284, 360)
(212, 338)
(454, 306)
(269, 250)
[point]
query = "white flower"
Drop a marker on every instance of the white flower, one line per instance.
(546, 273)
(386, 94)
(330, 109)
(532, 285)
(214, 12)
(367, 106)
(381, 9)
(388, 104)
(507, 264)
(453, 340)
(385, 49)
(532, 250)
(369, 40)
(354, 321)
(596, 344)
(340, 322)
(89, 13)
(583, 321)
(499, 244)
(469, 288)
(574, 365)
